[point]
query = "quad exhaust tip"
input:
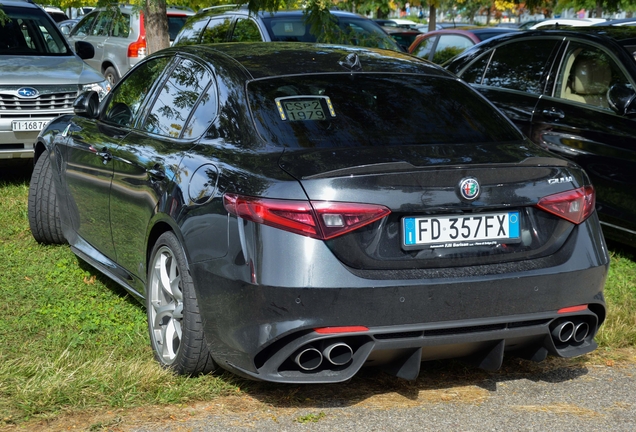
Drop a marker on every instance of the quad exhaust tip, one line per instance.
(338, 353)
(571, 331)
(308, 359)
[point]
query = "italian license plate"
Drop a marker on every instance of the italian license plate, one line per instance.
(28, 125)
(460, 231)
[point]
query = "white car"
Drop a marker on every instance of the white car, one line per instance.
(565, 22)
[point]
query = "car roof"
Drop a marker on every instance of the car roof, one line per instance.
(623, 35)
(20, 3)
(306, 58)
(243, 10)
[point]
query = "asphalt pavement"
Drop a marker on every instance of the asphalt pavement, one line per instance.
(563, 396)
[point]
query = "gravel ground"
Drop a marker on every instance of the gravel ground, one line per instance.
(579, 398)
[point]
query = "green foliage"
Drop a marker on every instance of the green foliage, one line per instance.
(71, 338)
(446, 54)
(311, 418)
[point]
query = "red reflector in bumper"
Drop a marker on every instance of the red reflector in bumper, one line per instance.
(570, 309)
(346, 329)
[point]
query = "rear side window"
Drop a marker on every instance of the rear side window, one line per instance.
(343, 110)
(175, 24)
(121, 25)
(177, 100)
(246, 30)
(516, 66)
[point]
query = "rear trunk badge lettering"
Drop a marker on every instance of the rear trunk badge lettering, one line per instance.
(567, 179)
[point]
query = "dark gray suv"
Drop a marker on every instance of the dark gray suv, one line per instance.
(232, 24)
(40, 76)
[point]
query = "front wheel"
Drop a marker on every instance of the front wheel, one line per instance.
(174, 321)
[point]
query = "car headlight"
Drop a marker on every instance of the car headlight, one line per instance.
(101, 88)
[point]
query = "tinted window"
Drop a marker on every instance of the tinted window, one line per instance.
(102, 25)
(126, 99)
(175, 23)
(246, 30)
(84, 26)
(217, 30)
(178, 98)
(424, 48)
(338, 110)
(121, 25)
(30, 32)
(449, 46)
(360, 32)
(475, 72)
(520, 65)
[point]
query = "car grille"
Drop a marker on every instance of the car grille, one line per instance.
(49, 102)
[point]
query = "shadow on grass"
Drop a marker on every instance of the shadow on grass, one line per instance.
(16, 171)
(113, 286)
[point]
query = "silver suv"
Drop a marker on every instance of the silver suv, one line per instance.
(119, 37)
(40, 76)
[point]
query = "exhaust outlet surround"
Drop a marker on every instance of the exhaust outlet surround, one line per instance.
(308, 359)
(581, 330)
(338, 353)
(564, 331)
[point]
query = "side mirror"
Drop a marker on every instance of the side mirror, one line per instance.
(621, 99)
(87, 104)
(84, 50)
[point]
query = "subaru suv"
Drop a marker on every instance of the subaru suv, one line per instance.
(119, 36)
(238, 24)
(40, 75)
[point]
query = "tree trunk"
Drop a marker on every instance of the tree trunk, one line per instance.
(432, 18)
(599, 9)
(156, 25)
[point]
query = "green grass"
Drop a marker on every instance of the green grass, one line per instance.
(71, 340)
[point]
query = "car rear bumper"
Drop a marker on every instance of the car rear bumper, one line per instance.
(258, 329)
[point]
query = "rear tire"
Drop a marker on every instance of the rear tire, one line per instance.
(43, 210)
(174, 321)
(111, 75)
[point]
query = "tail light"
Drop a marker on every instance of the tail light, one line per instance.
(317, 219)
(574, 205)
(138, 48)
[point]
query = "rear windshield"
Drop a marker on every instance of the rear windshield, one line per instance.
(352, 31)
(355, 110)
(30, 32)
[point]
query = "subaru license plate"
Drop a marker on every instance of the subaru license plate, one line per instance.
(28, 125)
(460, 231)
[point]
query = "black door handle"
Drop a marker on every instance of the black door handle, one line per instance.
(156, 173)
(105, 155)
(553, 113)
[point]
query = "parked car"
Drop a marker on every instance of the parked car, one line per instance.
(230, 23)
(441, 45)
(617, 22)
(556, 23)
(119, 37)
(402, 36)
(280, 220)
(40, 76)
(401, 23)
(573, 93)
(67, 25)
(57, 14)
